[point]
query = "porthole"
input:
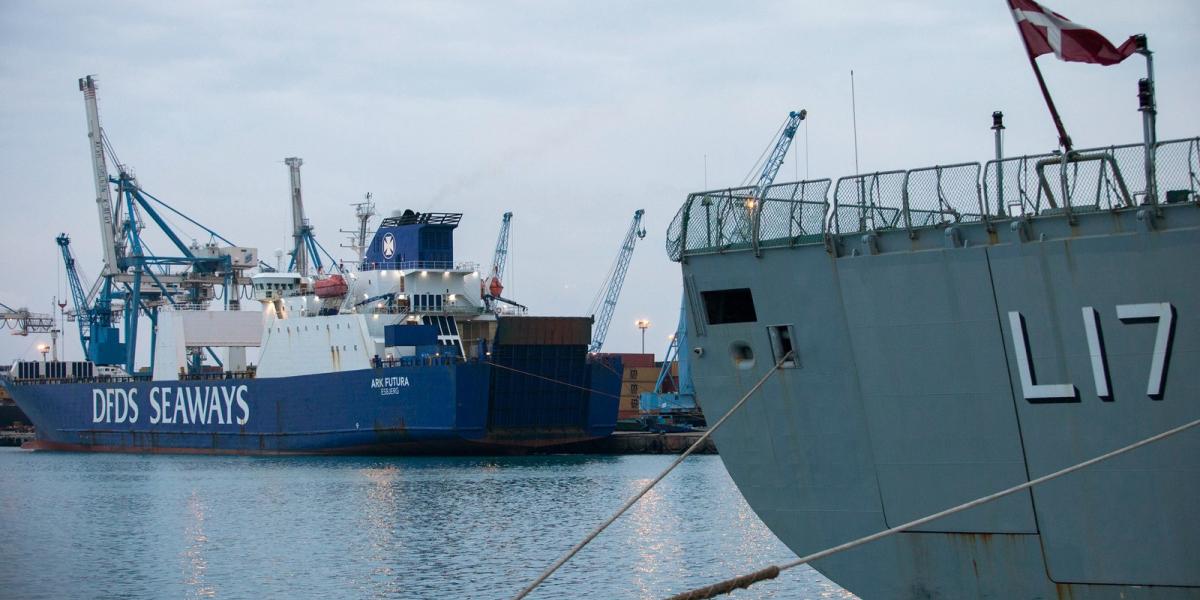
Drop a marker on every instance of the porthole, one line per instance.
(742, 355)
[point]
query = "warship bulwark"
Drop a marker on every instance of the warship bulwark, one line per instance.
(955, 331)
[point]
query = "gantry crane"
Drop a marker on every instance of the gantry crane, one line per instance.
(606, 299)
(23, 322)
(134, 280)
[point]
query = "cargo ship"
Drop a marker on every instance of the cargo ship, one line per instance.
(412, 351)
(400, 356)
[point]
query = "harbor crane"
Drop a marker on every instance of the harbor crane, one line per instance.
(97, 335)
(605, 301)
(682, 402)
(492, 285)
(304, 247)
(23, 322)
(134, 280)
(679, 404)
(770, 168)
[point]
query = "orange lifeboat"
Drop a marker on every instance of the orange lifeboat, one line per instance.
(333, 286)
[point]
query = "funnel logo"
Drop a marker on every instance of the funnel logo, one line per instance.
(389, 245)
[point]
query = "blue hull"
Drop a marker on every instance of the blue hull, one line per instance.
(403, 409)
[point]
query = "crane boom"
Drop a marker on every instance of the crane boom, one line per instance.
(770, 170)
(779, 152)
(23, 321)
(612, 286)
(500, 256)
(104, 202)
(493, 286)
(78, 296)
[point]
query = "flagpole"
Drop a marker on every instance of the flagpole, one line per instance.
(1147, 106)
(1064, 140)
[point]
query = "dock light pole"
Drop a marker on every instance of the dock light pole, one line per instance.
(643, 324)
(44, 348)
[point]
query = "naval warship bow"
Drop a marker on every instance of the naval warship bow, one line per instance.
(939, 334)
(944, 333)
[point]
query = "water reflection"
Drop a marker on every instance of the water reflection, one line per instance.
(194, 563)
(375, 528)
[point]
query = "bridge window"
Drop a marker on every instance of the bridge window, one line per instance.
(729, 306)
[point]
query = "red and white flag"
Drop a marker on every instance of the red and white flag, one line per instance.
(1046, 31)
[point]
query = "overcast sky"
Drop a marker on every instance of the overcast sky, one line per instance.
(570, 114)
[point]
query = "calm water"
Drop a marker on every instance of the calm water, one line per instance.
(84, 525)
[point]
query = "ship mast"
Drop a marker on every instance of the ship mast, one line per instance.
(363, 211)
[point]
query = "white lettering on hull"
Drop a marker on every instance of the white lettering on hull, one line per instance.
(1161, 312)
(196, 405)
(389, 386)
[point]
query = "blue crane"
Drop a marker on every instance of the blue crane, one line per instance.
(134, 280)
(492, 286)
(769, 170)
(682, 402)
(100, 340)
(683, 398)
(606, 299)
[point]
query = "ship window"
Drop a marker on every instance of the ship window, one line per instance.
(781, 344)
(729, 306)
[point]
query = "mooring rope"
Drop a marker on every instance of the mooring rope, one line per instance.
(552, 380)
(744, 581)
(698, 443)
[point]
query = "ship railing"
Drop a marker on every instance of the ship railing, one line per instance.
(787, 214)
(414, 265)
(195, 306)
(1096, 179)
(798, 213)
(247, 374)
(911, 200)
(69, 379)
(418, 361)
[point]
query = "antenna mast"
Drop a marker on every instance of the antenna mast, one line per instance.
(363, 211)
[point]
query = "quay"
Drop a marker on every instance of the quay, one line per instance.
(640, 442)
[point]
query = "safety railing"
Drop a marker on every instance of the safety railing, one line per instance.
(868, 202)
(792, 213)
(720, 220)
(797, 213)
(1090, 180)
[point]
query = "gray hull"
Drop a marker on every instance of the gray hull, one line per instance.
(939, 364)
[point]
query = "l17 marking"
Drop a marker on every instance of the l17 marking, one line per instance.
(1038, 393)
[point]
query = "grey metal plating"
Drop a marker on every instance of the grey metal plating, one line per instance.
(939, 368)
